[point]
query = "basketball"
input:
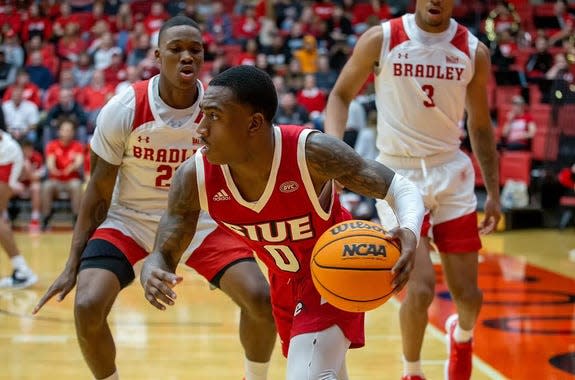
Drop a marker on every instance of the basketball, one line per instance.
(351, 265)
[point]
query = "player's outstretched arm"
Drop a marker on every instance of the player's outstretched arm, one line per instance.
(352, 77)
(329, 158)
(93, 210)
(175, 232)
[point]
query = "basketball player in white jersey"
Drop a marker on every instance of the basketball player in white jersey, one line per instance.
(142, 135)
(11, 163)
(428, 69)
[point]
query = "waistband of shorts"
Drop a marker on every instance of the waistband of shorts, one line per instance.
(402, 162)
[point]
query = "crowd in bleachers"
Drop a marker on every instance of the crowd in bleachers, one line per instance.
(60, 61)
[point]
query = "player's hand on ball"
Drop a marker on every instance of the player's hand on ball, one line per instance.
(158, 286)
(404, 265)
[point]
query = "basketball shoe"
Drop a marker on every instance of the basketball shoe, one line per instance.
(412, 377)
(20, 279)
(459, 363)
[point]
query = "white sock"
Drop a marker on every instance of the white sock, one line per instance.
(412, 368)
(35, 215)
(256, 370)
(19, 263)
(461, 335)
(113, 376)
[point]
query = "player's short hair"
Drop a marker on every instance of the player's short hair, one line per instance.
(251, 86)
(177, 21)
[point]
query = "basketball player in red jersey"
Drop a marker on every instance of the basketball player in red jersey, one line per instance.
(142, 135)
(272, 187)
(428, 69)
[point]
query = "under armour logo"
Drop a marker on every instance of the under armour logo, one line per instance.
(401, 55)
(145, 139)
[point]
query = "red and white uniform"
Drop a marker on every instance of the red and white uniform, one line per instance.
(11, 159)
(517, 128)
(149, 140)
(282, 227)
(421, 85)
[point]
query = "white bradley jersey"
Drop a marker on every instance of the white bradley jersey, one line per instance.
(421, 83)
(11, 154)
(148, 140)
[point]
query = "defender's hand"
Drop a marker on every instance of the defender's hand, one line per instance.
(158, 286)
(62, 286)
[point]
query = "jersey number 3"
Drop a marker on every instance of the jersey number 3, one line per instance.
(429, 90)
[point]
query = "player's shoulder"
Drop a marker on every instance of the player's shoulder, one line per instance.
(374, 34)
(124, 99)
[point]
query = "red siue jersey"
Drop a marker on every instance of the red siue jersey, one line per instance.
(284, 224)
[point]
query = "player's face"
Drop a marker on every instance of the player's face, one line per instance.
(181, 55)
(224, 127)
(433, 15)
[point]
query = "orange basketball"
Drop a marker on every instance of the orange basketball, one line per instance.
(351, 265)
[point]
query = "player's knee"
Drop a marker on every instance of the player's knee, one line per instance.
(469, 294)
(258, 302)
(421, 293)
(88, 312)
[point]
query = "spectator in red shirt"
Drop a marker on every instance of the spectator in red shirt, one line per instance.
(313, 100)
(116, 72)
(566, 178)
(71, 44)
(311, 97)
(155, 19)
(30, 91)
(64, 161)
(93, 97)
(36, 24)
(64, 18)
(248, 26)
(53, 93)
(323, 9)
(248, 54)
(519, 128)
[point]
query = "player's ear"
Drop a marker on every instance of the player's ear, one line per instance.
(257, 122)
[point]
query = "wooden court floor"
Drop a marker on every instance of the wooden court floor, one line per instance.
(526, 328)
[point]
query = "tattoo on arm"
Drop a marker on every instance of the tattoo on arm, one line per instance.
(178, 224)
(329, 158)
(95, 202)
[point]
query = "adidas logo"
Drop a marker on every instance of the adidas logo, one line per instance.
(221, 196)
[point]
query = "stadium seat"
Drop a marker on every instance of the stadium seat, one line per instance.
(545, 144)
(516, 166)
